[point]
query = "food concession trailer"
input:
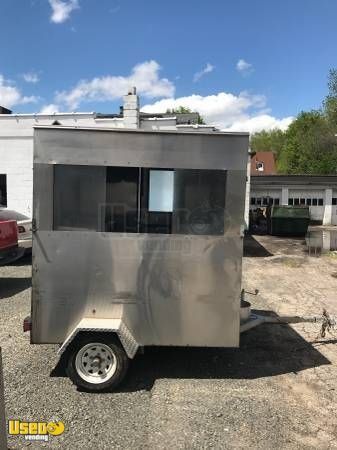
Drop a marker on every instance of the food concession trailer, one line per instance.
(137, 241)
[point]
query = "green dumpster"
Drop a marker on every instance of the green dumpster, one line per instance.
(288, 220)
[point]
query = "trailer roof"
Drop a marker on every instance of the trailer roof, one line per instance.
(138, 130)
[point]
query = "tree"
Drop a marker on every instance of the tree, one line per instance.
(186, 110)
(310, 146)
(265, 141)
(330, 101)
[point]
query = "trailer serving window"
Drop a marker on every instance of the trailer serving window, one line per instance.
(139, 200)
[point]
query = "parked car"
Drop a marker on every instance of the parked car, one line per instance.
(24, 226)
(9, 249)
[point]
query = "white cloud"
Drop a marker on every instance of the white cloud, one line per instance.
(31, 77)
(61, 9)
(260, 122)
(229, 112)
(144, 76)
(11, 96)
(207, 69)
(244, 67)
(49, 109)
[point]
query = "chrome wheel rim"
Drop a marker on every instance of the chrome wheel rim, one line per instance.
(96, 363)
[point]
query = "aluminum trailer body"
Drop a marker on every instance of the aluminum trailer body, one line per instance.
(140, 233)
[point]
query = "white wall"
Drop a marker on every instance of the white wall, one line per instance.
(16, 160)
(168, 124)
(16, 153)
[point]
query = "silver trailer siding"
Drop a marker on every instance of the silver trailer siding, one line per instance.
(177, 288)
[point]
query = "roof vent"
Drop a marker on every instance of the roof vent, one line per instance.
(132, 91)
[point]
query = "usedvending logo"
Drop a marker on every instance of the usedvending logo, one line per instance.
(35, 431)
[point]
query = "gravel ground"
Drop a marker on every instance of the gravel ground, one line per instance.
(279, 390)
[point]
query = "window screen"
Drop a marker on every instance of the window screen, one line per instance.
(3, 190)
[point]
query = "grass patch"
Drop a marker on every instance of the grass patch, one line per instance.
(332, 254)
(293, 262)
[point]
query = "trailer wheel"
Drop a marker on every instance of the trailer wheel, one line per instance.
(97, 363)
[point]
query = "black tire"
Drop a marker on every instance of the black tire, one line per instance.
(121, 360)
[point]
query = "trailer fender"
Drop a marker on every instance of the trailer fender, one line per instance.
(93, 325)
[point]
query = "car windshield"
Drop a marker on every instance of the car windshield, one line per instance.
(7, 214)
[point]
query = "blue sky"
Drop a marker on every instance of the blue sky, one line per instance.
(244, 64)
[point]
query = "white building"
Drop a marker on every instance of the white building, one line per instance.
(16, 141)
(319, 192)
